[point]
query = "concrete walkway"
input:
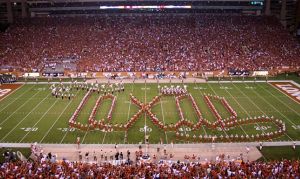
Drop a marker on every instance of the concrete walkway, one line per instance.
(202, 151)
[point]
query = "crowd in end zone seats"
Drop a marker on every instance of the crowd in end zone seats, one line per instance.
(65, 169)
(175, 43)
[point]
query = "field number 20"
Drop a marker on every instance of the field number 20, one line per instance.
(30, 129)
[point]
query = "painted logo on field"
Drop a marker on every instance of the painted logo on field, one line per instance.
(289, 89)
(6, 89)
(4, 92)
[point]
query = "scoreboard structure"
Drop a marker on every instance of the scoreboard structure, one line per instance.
(36, 8)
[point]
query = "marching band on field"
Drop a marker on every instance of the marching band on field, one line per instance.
(172, 90)
(66, 90)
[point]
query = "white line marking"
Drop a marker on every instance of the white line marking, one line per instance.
(281, 100)
(199, 107)
(19, 108)
(25, 117)
(16, 97)
(128, 111)
(258, 107)
(56, 121)
(216, 94)
(111, 119)
(67, 131)
(243, 110)
(279, 111)
(163, 116)
(12, 93)
(39, 119)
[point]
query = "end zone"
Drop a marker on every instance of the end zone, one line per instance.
(6, 89)
(288, 89)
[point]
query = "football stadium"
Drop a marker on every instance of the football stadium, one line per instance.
(150, 89)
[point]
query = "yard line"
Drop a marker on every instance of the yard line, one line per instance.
(39, 120)
(85, 133)
(274, 108)
(241, 108)
(281, 100)
(16, 97)
(163, 116)
(128, 111)
(12, 92)
(26, 116)
(67, 130)
(183, 128)
(19, 108)
(105, 130)
(200, 110)
(144, 112)
(56, 120)
(104, 137)
(256, 104)
(216, 94)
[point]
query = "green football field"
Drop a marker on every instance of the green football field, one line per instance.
(32, 114)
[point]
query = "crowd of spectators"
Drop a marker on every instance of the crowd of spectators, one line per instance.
(7, 79)
(151, 43)
(222, 169)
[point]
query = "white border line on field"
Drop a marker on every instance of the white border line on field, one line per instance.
(135, 146)
(257, 94)
(163, 118)
(284, 92)
(15, 98)
(19, 108)
(40, 119)
(241, 108)
(46, 134)
(12, 92)
(200, 109)
(128, 112)
(25, 117)
(278, 99)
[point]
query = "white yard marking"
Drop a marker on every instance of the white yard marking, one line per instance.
(56, 121)
(200, 109)
(19, 108)
(12, 93)
(66, 132)
(15, 98)
(216, 94)
(145, 113)
(275, 108)
(281, 100)
(105, 131)
(258, 107)
(40, 119)
(104, 137)
(25, 116)
(242, 109)
(128, 113)
(199, 88)
(163, 116)
(177, 113)
(142, 129)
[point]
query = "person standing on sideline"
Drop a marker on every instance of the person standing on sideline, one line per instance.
(78, 142)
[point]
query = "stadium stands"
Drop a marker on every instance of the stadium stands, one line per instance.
(152, 43)
(49, 168)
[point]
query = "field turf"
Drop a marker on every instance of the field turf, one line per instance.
(32, 114)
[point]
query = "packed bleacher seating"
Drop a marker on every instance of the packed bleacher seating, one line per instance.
(49, 168)
(152, 43)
